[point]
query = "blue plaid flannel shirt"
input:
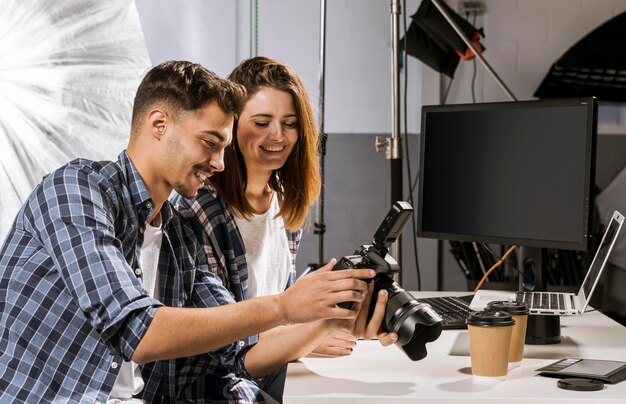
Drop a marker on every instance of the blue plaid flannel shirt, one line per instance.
(71, 306)
(225, 251)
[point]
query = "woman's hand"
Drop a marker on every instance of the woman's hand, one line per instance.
(339, 344)
(365, 329)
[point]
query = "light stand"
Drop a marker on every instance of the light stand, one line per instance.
(393, 151)
(319, 228)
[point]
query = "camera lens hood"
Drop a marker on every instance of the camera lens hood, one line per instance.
(416, 325)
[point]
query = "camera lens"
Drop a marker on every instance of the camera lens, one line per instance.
(415, 323)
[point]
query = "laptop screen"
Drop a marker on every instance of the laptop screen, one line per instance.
(606, 245)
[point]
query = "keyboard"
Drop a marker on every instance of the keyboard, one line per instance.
(542, 300)
(454, 310)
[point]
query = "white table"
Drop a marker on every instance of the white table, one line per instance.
(375, 374)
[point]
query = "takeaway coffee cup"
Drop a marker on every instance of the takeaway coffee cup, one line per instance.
(519, 312)
(490, 341)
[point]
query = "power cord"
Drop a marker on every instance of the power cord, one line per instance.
(406, 149)
(496, 265)
(473, 85)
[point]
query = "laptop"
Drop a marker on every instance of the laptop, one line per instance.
(453, 310)
(561, 304)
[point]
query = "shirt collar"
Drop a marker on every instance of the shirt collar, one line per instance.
(139, 196)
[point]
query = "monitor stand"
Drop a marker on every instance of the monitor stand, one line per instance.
(540, 330)
(543, 330)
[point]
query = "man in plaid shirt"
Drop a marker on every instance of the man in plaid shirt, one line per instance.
(105, 293)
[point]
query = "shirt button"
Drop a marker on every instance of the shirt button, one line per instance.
(148, 205)
(242, 343)
(138, 271)
(141, 230)
(114, 365)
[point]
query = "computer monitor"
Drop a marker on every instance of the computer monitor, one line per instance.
(517, 173)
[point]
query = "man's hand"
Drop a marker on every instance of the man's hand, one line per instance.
(316, 295)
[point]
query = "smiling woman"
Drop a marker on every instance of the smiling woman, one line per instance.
(275, 145)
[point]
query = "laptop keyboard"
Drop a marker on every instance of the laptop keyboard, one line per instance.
(453, 310)
(542, 300)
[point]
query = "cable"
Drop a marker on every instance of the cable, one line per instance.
(473, 85)
(447, 91)
(414, 184)
(493, 267)
(494, 255)
(406, 147)
(473, 82)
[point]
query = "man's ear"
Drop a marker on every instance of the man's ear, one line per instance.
(158, 121)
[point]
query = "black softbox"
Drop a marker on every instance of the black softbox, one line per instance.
(431, 39)
(595, 66)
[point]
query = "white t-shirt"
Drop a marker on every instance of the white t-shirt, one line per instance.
(129, 381)
(267, 251)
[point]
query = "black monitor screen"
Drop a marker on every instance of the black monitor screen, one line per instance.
(511, 172)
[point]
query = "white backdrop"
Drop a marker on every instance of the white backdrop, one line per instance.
(68, 75)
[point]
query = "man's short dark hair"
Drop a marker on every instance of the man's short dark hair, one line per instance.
(186, 86)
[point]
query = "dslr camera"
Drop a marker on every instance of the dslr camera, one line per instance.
(415, 323)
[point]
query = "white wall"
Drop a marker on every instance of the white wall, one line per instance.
(216, 33)
(201, 31)
(523, 38)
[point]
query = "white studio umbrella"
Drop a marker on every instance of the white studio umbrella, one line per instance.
(68, 74)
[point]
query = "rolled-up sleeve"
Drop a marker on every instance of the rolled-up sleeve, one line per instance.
(209, 291)
(74, 215)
